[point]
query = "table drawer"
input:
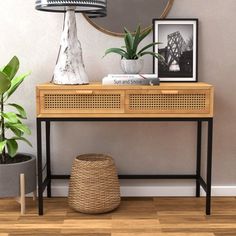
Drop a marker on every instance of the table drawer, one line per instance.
(168, 101)
(80, 101)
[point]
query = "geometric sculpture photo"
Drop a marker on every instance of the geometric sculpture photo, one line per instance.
(70, 65)
(176, 46)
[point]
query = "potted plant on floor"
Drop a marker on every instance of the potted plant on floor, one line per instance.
(131, 55)
(12, 131)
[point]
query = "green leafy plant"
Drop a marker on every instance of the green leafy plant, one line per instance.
(12, 129)
(131, 49)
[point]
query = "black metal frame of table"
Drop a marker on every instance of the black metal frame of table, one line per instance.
(200, 182)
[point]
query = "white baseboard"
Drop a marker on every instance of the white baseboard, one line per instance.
(157, 191)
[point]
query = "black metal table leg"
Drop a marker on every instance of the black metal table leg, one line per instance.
(40, 169)
(209, 166)
(48, 158)
(199, 152)
(199, 180)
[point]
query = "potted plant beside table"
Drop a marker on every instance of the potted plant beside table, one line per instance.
(17, 170)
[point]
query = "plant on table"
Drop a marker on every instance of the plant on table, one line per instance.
(12, 129)
(131, 54)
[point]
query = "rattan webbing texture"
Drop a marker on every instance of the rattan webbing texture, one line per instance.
(94, 186)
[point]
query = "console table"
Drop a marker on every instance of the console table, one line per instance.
(183, 102)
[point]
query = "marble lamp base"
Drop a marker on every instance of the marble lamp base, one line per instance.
(70, 66)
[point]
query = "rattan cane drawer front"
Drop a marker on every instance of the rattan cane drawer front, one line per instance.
(96, 100)
(168, 101)
(81, 101)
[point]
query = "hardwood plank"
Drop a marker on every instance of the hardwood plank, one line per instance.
(43, 232)
(135, 217)
(162, 234)
(86, 226)
(136, 226)
(86, 234)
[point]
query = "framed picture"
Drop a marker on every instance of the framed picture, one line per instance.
(179, 49)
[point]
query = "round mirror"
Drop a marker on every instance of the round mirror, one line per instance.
(130, 13)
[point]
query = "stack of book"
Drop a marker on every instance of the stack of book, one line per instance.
(130, 79)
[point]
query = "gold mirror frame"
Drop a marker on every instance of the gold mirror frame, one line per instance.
(163, 15)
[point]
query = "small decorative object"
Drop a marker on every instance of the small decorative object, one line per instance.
(131, 55)
(130, 79)
(94, 185)
(70, 66)
(179, 47)
(15, 168)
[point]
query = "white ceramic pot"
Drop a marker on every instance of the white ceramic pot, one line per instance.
(132, 66)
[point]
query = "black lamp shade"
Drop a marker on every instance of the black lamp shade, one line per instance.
(93, 8)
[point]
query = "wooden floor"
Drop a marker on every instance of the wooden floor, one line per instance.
(135, 217)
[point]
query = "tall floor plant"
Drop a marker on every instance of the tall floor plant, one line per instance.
(12, 128)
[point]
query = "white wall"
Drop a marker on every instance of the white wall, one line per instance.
(141, 147)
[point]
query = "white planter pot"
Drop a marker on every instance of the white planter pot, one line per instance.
(132, 66)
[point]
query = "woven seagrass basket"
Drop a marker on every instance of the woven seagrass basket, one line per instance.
(94, 185)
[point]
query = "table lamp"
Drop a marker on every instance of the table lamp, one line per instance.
(70, 66)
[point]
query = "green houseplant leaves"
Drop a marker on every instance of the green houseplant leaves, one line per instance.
(5, 83)
(132, 41)
(12, 130)
(12, 67)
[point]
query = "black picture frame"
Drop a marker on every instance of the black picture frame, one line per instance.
(181, 62)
